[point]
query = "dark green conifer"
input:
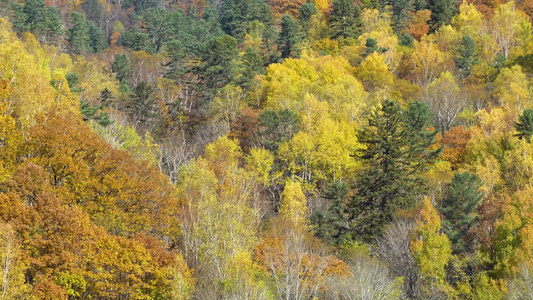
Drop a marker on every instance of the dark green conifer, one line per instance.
(459, 210)
(395, 154)
(524, 126)
(466, 56)
(289, 37)
(344, 19)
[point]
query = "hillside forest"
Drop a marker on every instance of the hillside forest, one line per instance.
(266, 149)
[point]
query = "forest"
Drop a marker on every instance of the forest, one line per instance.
(266, 149)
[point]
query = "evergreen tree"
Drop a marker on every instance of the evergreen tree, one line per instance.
(177, 65)
(466, 56)
(289, 37)
(401, 10)
(372, 46)
(237, 14)
(141, 106)
(252, 65)
(105, 97)
(53, 24)
(277, 127)
(306, 11)
(35, 12)
(156, 23)
(396, 153)
(73, 81)
(524, 126)
(89, 112)
(459, 209)
(331, 225)
(78, 33)
(97, 41)
(442, 12)
(219, 63)
(121, 67)
(407, 40)
(93, 10)
(135, 41)
(344, 19)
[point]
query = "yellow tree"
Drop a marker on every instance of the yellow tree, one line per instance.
(298, 269)
(512, 90)
(509, 27)
(431, 249)
(12, 282)
(513, 239)
(445, 100)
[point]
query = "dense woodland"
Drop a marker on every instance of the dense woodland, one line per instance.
(254, 149)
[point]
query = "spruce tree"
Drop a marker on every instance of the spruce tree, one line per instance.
(395, 154)
(466, 56)
(401, 10)
(459, 210)
(344, 19)
(442, 12)
(331, 225)
(306, 11)
(252, 64)
(289, 37)
(524, 126)
(277, 127)
(121, 67)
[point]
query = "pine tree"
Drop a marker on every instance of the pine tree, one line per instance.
(466, 56)
(289, 37)
(524, 126)
(344, 19)
(459, 209)
(219, 63)
(395, 155)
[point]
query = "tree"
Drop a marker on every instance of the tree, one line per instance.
(446, 101)
(219, 63)
(431, 248)
(142, 103)
(466, 56)
(277, 127)
(252, 64)
(78, 33)
(306, 11)
(459, 210)
(344, 19)
(97, 40)
(395, 155)
(512, 89)
(122, 68)
(289, 37)
(442, 12)
(401, 13)
(331, 225)
(524, 126)
(372, 46)
(12, 285)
